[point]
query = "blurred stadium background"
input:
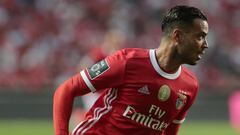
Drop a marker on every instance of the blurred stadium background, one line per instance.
(43, 42)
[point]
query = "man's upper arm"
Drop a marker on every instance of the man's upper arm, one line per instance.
(176, 123)
(107, 73)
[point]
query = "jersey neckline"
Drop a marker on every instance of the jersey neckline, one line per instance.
(164, 74)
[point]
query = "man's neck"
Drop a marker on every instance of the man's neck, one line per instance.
(167, 57)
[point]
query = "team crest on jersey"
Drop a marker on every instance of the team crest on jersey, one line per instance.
(164, 93)
(180, 101)
(97, 69)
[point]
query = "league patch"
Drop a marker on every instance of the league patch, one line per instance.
(164, 93)
(97, 69)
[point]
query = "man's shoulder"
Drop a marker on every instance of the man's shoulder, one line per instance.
(132, 53)
(190, 76)
(128, 56)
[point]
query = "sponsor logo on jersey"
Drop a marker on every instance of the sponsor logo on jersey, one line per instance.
(164, 93)
(98, 69)
(180, 101)
(151, 120)
(144, 90)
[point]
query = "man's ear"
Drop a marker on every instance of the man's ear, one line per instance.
(177, 35)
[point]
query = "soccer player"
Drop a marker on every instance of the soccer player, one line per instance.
(147, 91)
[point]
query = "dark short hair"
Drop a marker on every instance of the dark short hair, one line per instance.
(181, 16)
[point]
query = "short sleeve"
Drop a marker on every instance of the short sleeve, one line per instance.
(191, 98)
(107, 73)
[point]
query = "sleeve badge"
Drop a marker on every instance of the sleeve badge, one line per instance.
(98, 69)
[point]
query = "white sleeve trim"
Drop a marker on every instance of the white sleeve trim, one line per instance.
(178, 121)
(86, 80)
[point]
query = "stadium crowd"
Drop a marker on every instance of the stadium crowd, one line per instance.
(43, 42)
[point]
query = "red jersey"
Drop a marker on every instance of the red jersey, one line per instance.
(139, 97)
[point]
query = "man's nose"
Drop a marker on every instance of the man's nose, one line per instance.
(205, 44)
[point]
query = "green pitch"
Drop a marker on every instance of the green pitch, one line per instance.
(25, 127)
(207, 128)
(43, 127)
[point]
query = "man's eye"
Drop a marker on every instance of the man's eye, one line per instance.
(201, 37)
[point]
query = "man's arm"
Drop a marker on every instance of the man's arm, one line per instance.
(63, 102)
(173, 128)
(108, 73)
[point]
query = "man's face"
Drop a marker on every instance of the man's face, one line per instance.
(194, 42)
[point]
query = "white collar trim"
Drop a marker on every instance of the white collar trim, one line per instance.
(159, 70)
